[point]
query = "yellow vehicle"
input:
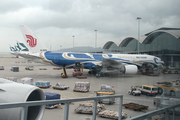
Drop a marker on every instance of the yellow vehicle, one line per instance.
(171, 86)
(170, 70)
(105, 101)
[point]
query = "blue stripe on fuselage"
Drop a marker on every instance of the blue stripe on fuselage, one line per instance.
(58, 59)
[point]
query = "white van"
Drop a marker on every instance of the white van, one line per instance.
(149, 90)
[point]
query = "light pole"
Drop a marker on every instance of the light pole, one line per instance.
(95, 38)
(73, 40)
(138, 18)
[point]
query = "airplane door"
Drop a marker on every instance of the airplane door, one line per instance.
(55, 59)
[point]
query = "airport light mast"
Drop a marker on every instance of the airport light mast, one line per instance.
(138, 18)
(95, 38)
(73, 40)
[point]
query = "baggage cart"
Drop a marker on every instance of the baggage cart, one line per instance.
(136, 107)
(57, 68)
(60, 87)
(81, 87)
(42, 68)
(43, 84)
(105, 101)
(87, 108)
(104, 91)
(112, 114)
(27, 80)
(52, 96)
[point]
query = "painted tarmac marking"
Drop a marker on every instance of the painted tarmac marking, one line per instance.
(67, 94)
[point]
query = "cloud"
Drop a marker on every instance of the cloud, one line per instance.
(9, 6)
(59, 20)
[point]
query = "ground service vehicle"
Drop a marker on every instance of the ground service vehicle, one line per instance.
(170, 70)
(149, 90)
(135, 90)
(1, 67)
(15, 69)
(168, 87)
(29, 68)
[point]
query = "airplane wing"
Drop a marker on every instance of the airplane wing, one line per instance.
(29, 56)
(111, 63)
(106, 64)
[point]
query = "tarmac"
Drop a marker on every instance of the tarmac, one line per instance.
(120, 83)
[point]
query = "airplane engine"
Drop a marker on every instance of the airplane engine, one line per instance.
(129, 69)
(16, 92)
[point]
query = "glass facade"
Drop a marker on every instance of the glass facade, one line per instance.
(161, 43)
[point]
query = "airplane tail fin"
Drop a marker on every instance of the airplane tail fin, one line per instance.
(32, 41)
(12, 48)
(21, 46)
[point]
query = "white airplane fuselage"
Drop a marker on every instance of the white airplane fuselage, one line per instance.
(90, 60)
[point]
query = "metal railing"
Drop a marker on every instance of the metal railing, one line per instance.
(165, 110)
(146, 116)
(25, 105)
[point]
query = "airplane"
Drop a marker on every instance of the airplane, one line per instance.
(97, 63)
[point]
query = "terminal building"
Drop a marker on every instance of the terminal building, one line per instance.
(163, 43)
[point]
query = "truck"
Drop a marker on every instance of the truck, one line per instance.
(29, 68)
(14, 69)
(135, 90)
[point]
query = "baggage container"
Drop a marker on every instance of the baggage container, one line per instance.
(105, 90)
(52, 96)
(27, 80)
(105, 101)
(43, 84)
(81, 86)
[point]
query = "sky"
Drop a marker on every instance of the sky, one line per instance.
(55, 22)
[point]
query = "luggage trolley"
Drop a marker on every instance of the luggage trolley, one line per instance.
(105, 101)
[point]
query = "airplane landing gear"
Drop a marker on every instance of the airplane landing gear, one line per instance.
(64, 74)
(102, 75)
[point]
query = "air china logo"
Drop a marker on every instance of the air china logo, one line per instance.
(32, 41)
